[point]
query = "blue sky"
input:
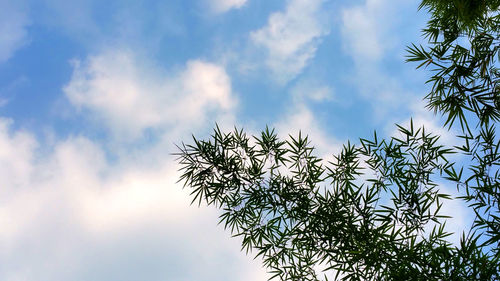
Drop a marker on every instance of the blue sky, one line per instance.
(93, 96)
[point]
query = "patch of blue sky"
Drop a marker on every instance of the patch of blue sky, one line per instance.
(31, 80)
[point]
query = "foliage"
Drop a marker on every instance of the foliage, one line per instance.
(464, 40)
(373, 212)
(274, 196)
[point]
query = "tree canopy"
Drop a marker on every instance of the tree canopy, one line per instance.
(373, 213)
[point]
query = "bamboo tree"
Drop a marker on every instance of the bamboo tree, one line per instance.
(373, 213)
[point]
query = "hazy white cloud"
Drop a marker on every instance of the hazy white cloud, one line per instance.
(300, 118)
(16, 150)
(222, 6)
(71, 214)
(373, 34)
(130, 96)
(291, 37)
(311, 89)
(372, 30)
(68, 211)
(13, 23)
(361, 29)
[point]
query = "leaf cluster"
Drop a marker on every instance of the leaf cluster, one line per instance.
(373, 213)
(464, 41)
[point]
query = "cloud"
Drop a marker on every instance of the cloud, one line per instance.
(222, 6)
(15, 155)
(301, 118)
(362, 29)
(129, 96)
(291, 37)
(373, 35)
(13, 34)
(373, 29)
(71, 214)
(311, 89)
(81, 209)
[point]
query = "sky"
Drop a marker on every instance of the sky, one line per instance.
(94, 96)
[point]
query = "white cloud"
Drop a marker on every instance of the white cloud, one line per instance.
(373, 29)
(130, 96)
(13, 34)
(373, 34)
(291, 38)
(311, 89)
(361, 29)
(222, 6)
(70, 214)
(301, 118)
(15, 156)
